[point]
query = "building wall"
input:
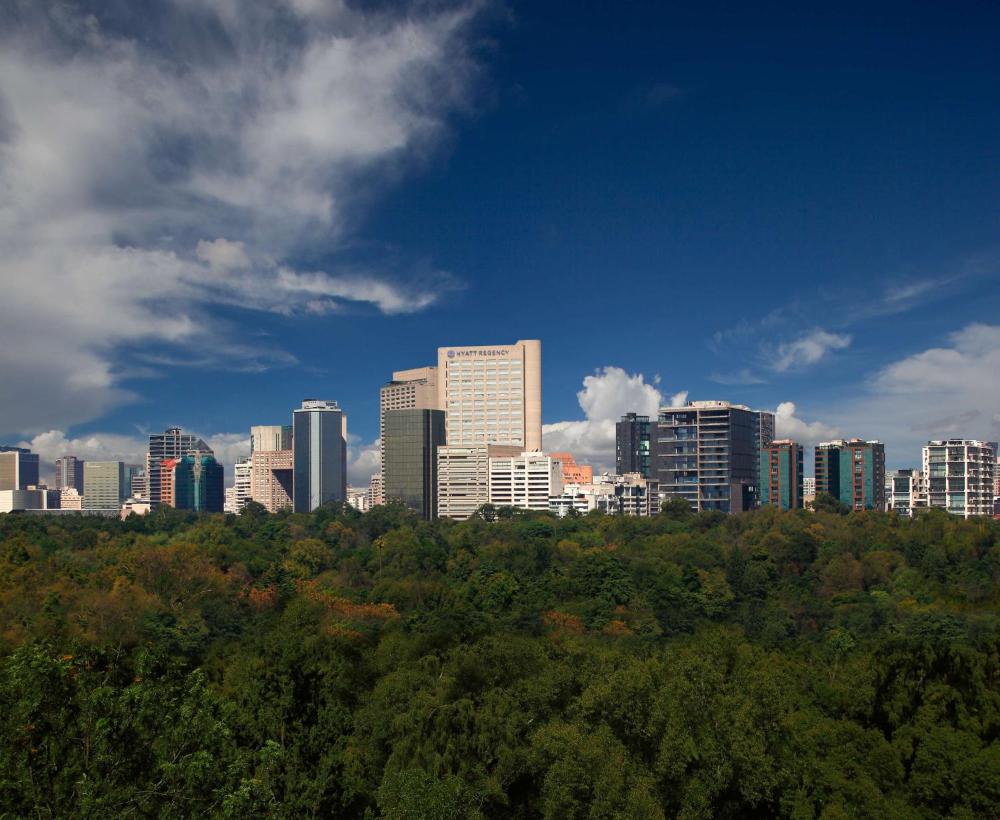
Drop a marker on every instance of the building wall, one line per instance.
(853, 472)
(573, 473)
(270, 437)
(635, 439)
(18, 469)
(464, 477)
(320, 446)
(526, 481)
(492, 394)
(960, 475)
(411, 439)
(272, 479)
(413, 389)
(199, 484)
(242, 484)
(105, 483)
(781, 475)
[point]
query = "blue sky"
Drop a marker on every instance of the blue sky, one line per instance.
(784, 206)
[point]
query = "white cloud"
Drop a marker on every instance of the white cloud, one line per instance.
(363, 461)
(806, 433)
(151, 172)
(806, 350)
(607, 395)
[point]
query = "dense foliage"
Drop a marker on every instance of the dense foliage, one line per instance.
(338, 664)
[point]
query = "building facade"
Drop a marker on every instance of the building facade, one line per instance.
(410, 442)
(18, 468)
(172, 443)
(320, 464)
(69, 473)
(464, 477)
(242, 482)
(166, 498)
(708, 453)
(105, 483)
(270, 437)
(905, 491)
(635, 438)
(573, 473)
(525, 481)
(271, 479)
(492, 394)
(960, 475)
(413, 389)
(853, 472)
(199, 483)
(70, 499)
(781, 475)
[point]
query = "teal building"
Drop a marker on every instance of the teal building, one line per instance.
(853, 472)
(199, 483)
(781, 474)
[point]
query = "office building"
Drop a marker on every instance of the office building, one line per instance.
(271, 479)
(464, 477)
(105, 483)
(69, 473)
(960, 475)
(492, 394)
(583, 499)
(410, 441)
(708, 453)
(414, 389)
(853, 472)
(905, 491)
(525, 481)
(242, 484)
(270, 438)
(140, 488)
(135, 478)
(199, 483)
(172, 443)
(18, 468)
(635, 438)
(70, 499)
(320, 444)
(573, 473)
(781, 478)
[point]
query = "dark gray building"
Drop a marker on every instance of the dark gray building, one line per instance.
(708, 452)
(69, 473)
(635, 445)
(410, 442)
(319, 435)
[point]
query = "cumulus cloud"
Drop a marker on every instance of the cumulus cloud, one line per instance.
(364, 459)
(807, 433)
(607, 394)
(151, 171)
(806, 350)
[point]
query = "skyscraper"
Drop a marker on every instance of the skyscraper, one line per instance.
(270, 437)
(18, 468)
(199, 483)
(708, 453)
(781, 467)
(172, 443)
(960, 475)
(410, 440)
(69, 473)
(853, 472)
(409, 389)
(320, 441)
(634, 438)
(492, 394)
(105, 485)
(271, 460)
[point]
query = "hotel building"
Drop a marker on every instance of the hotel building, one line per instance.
(464, 477)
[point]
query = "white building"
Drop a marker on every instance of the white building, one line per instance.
(229, 505)
(905, 491)
(242, 482)
(33, 498)
(357, 497)
(808, 490)
(464, 477)
(139, 506)
(376, 494)
(526, 481)
(70, 499)
(960, 476)
(611, 494)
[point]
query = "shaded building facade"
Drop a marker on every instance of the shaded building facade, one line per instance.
(105, 485)
(853, 472)
(18, 468)
(172, 443)
(781, 475)
(320, 444)
(410, 441)
(199, 483)
(69, 473)
(634, 441)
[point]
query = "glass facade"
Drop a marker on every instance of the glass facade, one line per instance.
(634, 440)
(411, 440)
(199, 484)
(320, 444)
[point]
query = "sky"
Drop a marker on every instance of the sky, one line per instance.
(209, 212)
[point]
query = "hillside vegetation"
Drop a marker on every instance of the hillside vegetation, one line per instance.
(345, 665)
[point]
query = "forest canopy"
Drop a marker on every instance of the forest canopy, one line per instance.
(376, 665)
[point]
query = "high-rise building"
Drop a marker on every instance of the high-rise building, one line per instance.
(242, 482)
(166, 498)
(414, 389)
(960, 475)
(140, 487)
(410, 441)
(271, 479)
(18, 468)
(135, 478)
(172, 443)
(69, 473)
(105, 484)
(526, 481)
(492, 394)
(635, 438)
(270, 437)
(573, 473)
(781, 466)
(905, 491)
(464, 477)
(199, 483)
(853, 472)
(708, 453)
(320, 441)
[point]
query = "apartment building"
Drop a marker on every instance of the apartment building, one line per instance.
(960, 474)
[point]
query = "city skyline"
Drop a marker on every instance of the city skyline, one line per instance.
(840, 212)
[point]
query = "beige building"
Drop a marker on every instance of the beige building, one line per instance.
(414, 389)
(269, 437)
(492, 394)
(70, 499)
(526, 481)
(271, 479)
(464, 477)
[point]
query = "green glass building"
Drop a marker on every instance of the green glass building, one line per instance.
(199, 484)
(853, 472)
(410, 439)
(781, 475)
